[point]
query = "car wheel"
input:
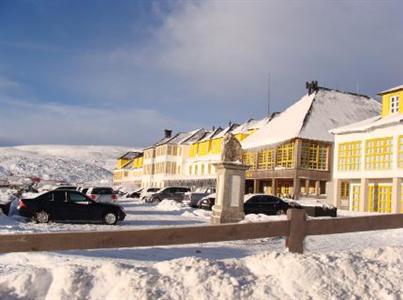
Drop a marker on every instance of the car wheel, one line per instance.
(42, 217)
(110, 218)
(280, 212)
(155, 200)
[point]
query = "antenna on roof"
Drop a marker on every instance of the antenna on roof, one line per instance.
(268, 93)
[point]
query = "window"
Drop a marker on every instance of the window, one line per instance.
(355, 197)
(285, 155)
(345, 190)
(249, 158)
(378, 154)
(394, 104)
(400, 151)
(314, 156)
(380, 198)
(265, 159)
(202, 170)
(349, 157)
(76, 197)
(59, 196)
(102, 191)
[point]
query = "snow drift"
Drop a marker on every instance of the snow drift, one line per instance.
(372, 273)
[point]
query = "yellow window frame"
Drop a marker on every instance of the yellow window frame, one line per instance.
(378, 153)
(265, 160)
(285, 155)
(349, 156)
(355, 196)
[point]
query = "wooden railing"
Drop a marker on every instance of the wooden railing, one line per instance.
(295, 229)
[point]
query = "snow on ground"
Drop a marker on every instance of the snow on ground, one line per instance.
(73, 164)
(353, 265)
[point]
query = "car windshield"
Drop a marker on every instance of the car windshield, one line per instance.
(102, 191)
(152, 190)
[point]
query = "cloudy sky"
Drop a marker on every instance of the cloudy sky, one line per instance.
(119, 72)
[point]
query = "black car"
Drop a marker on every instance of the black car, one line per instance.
(67, 205)
(266, 204)
(256, 204)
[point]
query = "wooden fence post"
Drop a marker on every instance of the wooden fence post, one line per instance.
(298, 226)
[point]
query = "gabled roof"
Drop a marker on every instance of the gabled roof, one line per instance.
(211, 134)
(195, 136)
(313, 116)
(370, 124)
(396, 88)
(131, 155)
(229, 128)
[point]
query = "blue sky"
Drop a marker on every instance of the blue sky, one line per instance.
(119, 72)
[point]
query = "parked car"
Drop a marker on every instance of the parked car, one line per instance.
(256, 204)
(172, 193)
(207, 202)
(67, 205)
(147, 192)
(193, 198)
(266, 204)
(134, 194)
(102, 194)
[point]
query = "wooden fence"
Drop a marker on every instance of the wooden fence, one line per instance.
(295, 229)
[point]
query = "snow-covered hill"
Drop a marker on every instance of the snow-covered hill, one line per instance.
(73, 164)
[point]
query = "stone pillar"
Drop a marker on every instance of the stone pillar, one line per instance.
(228, 206)
(336, 192)
(396, 195)
(256, 186)
(307, 187)
(364, 195)
(273, 186)
(296, 185)
(317, 188)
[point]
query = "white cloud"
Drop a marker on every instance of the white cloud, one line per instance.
(27, 123)
(221, 52)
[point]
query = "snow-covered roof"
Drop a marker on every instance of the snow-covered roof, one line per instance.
(370, 124)
(313, 116)
(196, 136)
(211, 134)
(396, 88)
(229, 128)
(131, 155)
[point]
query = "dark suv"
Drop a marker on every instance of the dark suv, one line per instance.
(171, 193)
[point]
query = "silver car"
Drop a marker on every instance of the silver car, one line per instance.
(102, 194)
(193, 198)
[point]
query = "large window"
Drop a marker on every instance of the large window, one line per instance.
(355, 197)
(249, 158)
(378, 154)
(400, 151)
(314, 156)
(380, 198)
(285, 155)
(345, 190)
(349, 158)
(266, 159)
(394, 104)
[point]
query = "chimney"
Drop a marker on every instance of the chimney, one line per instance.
(167, 133)
(312, 86)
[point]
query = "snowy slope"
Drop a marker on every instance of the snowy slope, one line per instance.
(73, 164)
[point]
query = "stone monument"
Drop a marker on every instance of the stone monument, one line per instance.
(230, 189)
